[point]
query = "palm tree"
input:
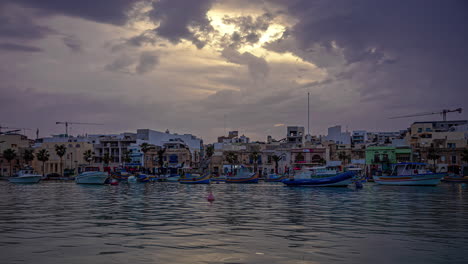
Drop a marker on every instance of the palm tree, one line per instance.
(209, 151)
(231, 158)
(126, 157)
(299, 157)
(432, 155)
(106, 159)
(43, 156)
(276, 160)
(60, 150)
(161, 158)
(343, 157)
(88, 156)
(9, 155)
(28, 155)
(145, 147)
(254, 156)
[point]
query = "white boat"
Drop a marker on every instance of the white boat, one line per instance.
(91, 177)
(26, 176)
(315, 172)
(410, 173)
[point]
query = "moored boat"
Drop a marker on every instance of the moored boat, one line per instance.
(91, 177)
(321, 180)
(218, 179)
(455, 178)
(410, 173)
(26, 176)
(243, 176)
(275, 178)
(195, 179)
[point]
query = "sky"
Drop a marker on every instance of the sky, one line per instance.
(209, 66)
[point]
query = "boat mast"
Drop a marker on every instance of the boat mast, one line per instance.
(308, 113)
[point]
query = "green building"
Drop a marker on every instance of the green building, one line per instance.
(381, 158)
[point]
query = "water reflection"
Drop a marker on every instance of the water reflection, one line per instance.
(263, 223)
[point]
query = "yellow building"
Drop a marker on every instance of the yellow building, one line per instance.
(18, 143)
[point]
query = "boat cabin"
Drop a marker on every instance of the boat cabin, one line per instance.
(409, 168)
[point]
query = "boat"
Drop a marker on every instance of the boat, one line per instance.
(172, 178)
(320, 177)
(195, 179)
(275, 178)
(218, 179)
(26, 176)
(91, 177)
(455, 178)
(243, 176)
(410, 173)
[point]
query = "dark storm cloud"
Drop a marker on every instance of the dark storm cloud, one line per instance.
(392, 48)
(104, 11)
(17, 47)
(180, 19)
(19, 24)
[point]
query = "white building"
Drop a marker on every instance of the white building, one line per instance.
(359, 137)
(335, 135)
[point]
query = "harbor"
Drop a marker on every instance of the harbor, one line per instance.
(166, 222)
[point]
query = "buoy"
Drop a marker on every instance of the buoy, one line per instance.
(210, 197)
(114, 182)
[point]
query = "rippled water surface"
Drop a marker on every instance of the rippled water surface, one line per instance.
(61, 222)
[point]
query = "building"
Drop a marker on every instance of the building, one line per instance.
(335, 135)
(382, 157)
(112, 146)
(73, 159)
(359, 137)
(18, 143)
(309, 156)
(295, 136)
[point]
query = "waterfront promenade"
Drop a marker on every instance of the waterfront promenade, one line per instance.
(62, 222)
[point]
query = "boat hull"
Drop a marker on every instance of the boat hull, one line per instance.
(27, 179)
(253, 179)
(431, 179)
(173, 179)
(340, 180)
(91, 179)
(204, 179)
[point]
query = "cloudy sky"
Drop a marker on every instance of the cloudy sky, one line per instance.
(196, 66)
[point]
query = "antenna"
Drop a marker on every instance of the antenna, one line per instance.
(308, 113)
(225, 124)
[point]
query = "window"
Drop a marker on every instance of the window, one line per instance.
(70, 145)
(428, 129)
(451, 145)
(420, 130)
(454, 159)
(442, 158)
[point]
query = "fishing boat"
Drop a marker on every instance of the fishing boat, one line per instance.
(26, 176)
(455, 178)
(190, 178)
(91, 177)
(320, 177)
(243, 175)
(275, 178)
(410, 173)
(218, 179)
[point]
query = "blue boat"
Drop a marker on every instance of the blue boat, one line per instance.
(195, 179)
(275, 178)
(339, 180)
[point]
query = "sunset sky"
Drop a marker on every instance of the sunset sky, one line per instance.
(192, 66)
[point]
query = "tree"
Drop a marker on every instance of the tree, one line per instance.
(145, 147)
(465, 156)
(88, 156)
(231, 158)
(432, 155)
(28, 155)
(343, 157)
(276, 160)
(9, 155)
(299, 157)
(43, 156)
(126, 156)
(106, 159)
(60, 150)
(209, 151)
(254, 156)
(161, 158)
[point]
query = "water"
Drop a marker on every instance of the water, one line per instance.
(54, 222)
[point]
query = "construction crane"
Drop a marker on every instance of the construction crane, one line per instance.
(14, 130)
(66, 123)
(443, 112)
